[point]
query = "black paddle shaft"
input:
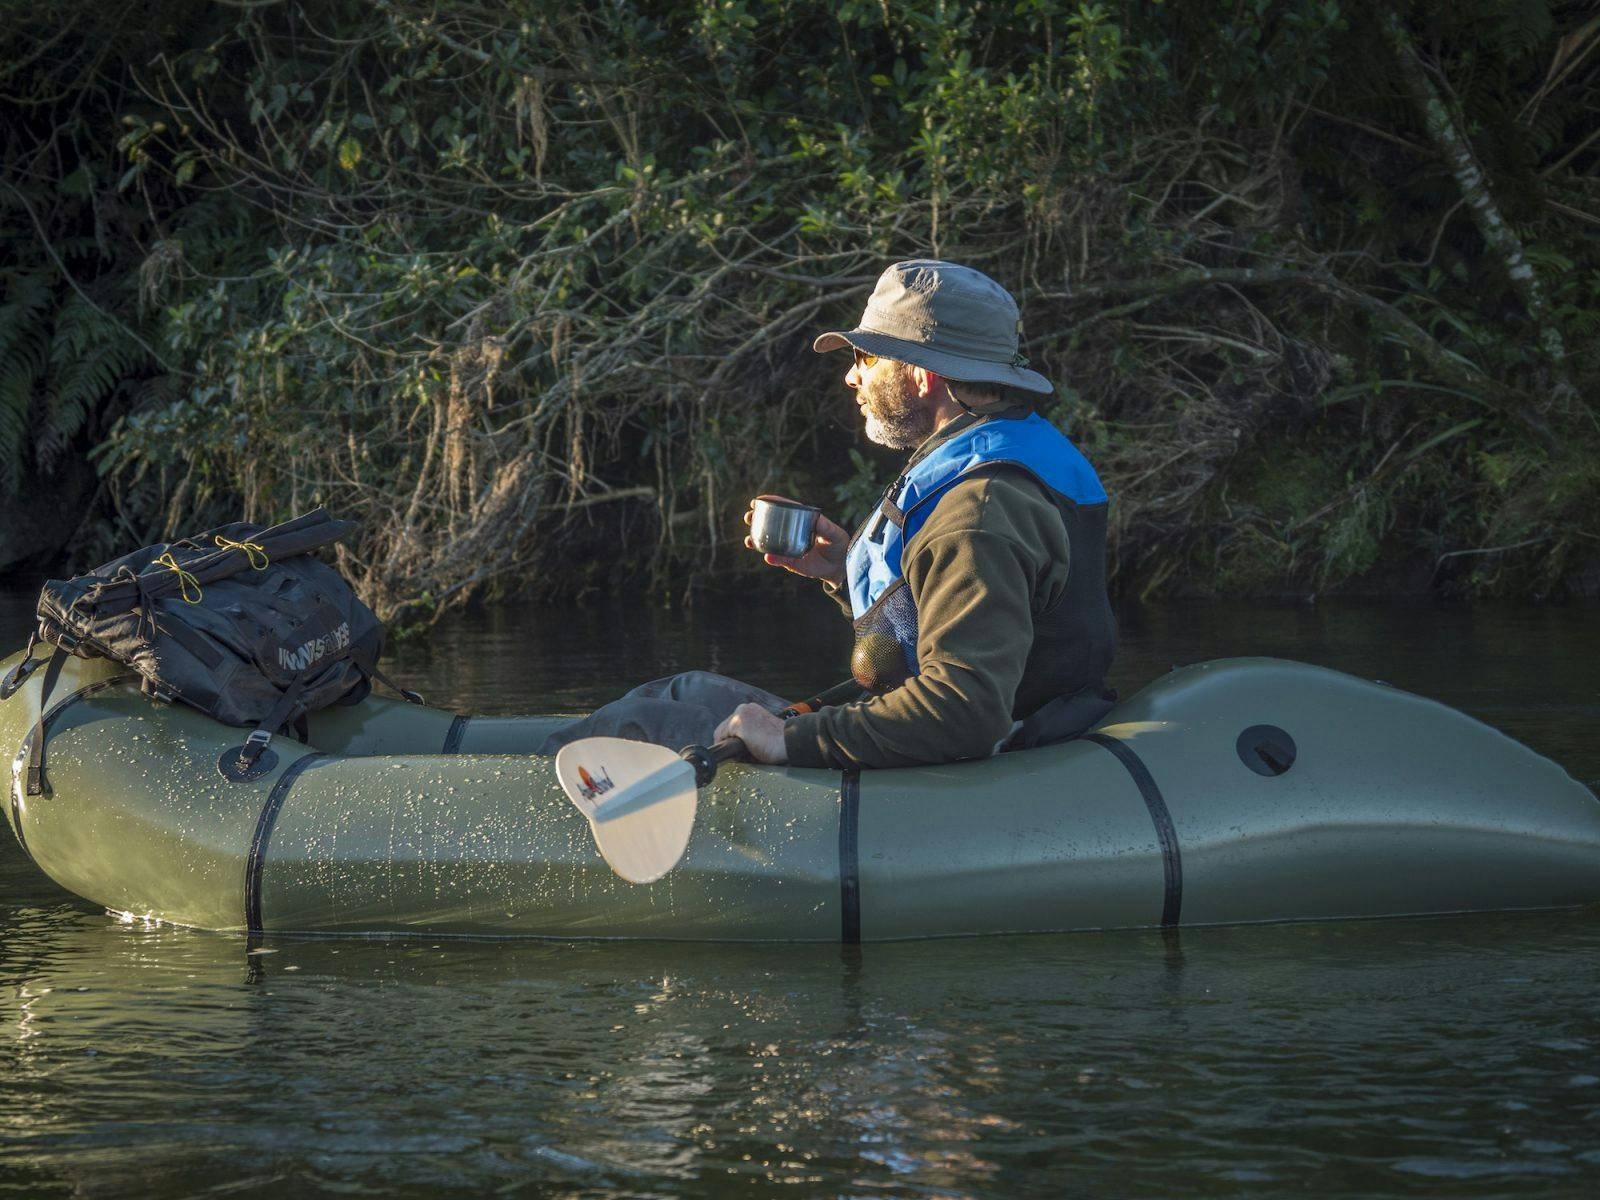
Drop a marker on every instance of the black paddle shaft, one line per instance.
(706, 759)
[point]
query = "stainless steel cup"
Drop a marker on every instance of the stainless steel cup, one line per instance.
(782, 527)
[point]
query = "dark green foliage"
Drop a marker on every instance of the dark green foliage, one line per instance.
(529, 288)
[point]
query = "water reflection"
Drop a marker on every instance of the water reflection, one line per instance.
(941, 1066)
(982, 1067)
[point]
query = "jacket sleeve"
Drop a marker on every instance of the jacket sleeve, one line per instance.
(972, 570)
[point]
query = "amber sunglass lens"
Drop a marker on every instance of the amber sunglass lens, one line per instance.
(863, 359)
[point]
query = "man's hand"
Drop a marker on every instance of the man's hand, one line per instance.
(761, 732)
(825, 559)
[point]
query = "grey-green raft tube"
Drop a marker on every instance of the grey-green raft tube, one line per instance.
(1241, 790)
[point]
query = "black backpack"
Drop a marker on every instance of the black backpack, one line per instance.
(240, 622)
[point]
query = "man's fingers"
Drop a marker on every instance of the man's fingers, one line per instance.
(729, 723)
(760, 730)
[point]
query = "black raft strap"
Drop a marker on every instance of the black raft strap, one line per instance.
(255, 864)
(453, 736)
(1160, 817)
(52, 673)
(850, 858)
(51, 716)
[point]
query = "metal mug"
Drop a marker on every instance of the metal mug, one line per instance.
(782, 527)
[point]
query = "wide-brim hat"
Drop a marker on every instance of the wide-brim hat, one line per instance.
(952, 320)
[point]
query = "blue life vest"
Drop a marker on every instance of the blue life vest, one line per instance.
(881, 604)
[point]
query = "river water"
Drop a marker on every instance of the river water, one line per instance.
(1455, 1057)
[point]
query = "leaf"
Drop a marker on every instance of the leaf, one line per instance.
(349, 153)
(80, 183)
(1453, 431)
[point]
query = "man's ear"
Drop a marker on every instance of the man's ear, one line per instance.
(927, 381)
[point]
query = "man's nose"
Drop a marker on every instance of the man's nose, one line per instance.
(851, 378)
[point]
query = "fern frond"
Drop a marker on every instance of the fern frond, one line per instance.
(155, 391)
(89, 358)
(1524, 26)
(16, 396)
(22, 312)
(24, 353)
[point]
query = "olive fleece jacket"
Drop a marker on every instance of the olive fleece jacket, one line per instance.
(991, 556)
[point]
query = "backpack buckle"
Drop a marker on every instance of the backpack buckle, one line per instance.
(255, 745)
(252, 760)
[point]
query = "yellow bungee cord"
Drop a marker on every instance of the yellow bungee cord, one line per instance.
(252, 550)
(186, 581)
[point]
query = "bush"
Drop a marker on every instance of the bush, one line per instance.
(532, 287)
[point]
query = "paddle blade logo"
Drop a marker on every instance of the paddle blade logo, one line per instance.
(590, 787)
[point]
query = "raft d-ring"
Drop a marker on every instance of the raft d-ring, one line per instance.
(238, 767)
(1266, 750)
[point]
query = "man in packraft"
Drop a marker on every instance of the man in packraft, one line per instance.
(977, 587)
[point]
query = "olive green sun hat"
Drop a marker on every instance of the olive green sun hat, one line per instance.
(950, 319)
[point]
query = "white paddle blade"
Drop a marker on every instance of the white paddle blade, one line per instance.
(640, 800)
(592, 769)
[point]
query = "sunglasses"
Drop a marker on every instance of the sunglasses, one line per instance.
(863, 359)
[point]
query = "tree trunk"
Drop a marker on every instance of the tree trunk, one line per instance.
(1497, 234)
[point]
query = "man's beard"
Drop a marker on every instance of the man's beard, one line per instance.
(896, 416)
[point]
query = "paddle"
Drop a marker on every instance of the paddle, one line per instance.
(640, 798)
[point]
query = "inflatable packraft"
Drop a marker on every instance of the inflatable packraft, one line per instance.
(1233, 791)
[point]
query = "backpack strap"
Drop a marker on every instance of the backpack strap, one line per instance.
(52, 672)
(406, 693)
(195, 642)
(261, 736)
